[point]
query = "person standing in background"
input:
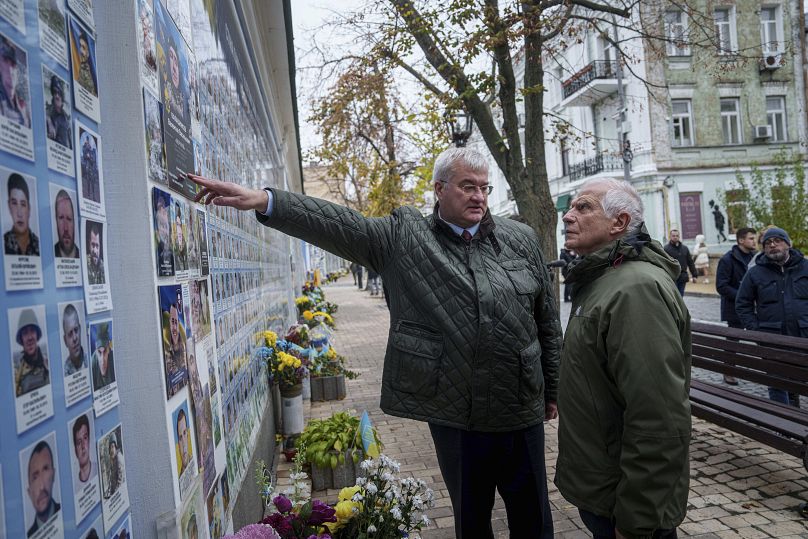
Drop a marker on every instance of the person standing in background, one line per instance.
(679, 252)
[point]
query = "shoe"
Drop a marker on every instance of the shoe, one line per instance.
(731, 380)
(803, 509)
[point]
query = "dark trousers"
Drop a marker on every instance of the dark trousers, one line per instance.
(603, 528)
(476, 464)
(359, 273)
(680, 285)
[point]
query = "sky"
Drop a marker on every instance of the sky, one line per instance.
(308, 19)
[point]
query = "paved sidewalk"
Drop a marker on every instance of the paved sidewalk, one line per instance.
(739, 488)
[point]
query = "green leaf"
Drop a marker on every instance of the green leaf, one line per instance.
(333, 461)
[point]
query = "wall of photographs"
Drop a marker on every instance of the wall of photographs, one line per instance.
(63, 472)
(217, 278)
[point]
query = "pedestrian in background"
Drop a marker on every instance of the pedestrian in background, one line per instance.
(624, 408)
(728, 276)
(701, 259)
(679, 252)
(474, 337)
(773, 296)
(353, 267)
(373, 282)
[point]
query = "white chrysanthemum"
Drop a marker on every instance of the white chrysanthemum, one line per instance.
(396, 512)
(357, 497)
(388, 495)
(360, 481)
(429, 494)
(372, 488)
(371, 529)
(425, 520)
(366, 464)
(387, 476)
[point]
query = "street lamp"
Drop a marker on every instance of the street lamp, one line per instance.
(459, 125)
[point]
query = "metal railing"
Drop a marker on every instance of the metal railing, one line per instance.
(594, 165)
(599, 69)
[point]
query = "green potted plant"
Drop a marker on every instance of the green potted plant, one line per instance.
(333, 448)
(328, 374)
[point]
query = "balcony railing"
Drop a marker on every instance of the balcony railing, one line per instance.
(594, 165)
(599, 69)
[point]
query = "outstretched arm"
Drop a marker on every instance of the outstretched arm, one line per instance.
(340, 230)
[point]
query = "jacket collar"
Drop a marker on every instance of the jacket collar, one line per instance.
(739, 255)
(794, 258)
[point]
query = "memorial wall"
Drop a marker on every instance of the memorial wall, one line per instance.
(134, 403)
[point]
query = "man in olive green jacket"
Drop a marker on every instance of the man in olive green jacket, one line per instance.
(474, 339)
(624, 428)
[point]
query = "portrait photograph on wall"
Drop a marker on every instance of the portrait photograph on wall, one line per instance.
(102, 366)
(75, 352)
(147, 49)
(172, 316)
(163, 244)
(114, 492)
(85, 69)
(183, 448)
(53, 29)
(155, 147)
(30, 366)
(19, 218)
(58, 122)
(90, 172)
(16, 133)
(41, 492)
(84, 464)
(65, 231)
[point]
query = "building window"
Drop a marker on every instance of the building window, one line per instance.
(737, 214)
(776, 117)
(725, 30)
(770, 25)
(731, 120)
(682, 120)
(676, 33)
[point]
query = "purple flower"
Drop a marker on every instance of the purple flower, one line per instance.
(321, 513)
(255, 531)
(282, 503)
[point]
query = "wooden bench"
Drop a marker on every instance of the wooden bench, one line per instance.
(766, 359)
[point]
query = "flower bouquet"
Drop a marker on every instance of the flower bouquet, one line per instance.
(303, 303)
(381, 505)
(315, 318)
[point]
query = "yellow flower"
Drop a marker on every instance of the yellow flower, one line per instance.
(348, 492)
(308, 315)
(271, 338)
(331, 354)
(297, 363)
(345, 509)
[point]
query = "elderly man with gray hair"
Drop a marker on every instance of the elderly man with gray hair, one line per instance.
(474, 338)
(624, 429)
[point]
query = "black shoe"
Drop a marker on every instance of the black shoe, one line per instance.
(802, 509)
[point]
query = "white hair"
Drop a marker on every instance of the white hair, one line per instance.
(446, 162)
(620, 197)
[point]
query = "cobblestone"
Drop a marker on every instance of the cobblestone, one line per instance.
(740, 489)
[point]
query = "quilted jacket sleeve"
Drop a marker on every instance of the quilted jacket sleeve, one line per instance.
(549, 330)
(340, 230)
(745, 302)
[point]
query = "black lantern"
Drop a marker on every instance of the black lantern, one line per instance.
(459, 126)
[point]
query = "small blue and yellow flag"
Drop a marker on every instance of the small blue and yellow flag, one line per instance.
(366, 432)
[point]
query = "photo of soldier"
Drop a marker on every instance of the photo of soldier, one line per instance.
(14, 88)
(65, 219)
(41, 492)
(21, 240)
(103, 359)
(94, 243)
(161, 204)
(82, 47)
(148, 49)
(31, 370)
(193, 242)
(155, 150)
(180, 231)
(72, 336)
(114, 492)
(57, 109)
(174, 338)
(89, 165)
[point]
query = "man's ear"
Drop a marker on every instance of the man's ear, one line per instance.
(439, 187)
(620, 224)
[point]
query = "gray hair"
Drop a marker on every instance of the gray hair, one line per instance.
(620, 197)
(446, 162)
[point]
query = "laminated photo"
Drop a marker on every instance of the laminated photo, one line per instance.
(193, 524)
(64, 229)
(163, 245)
(114, 492)
(183, 448)
(41, 492)
(95, 530)
(172, 316)
(13, 11)
(16, 134)
(155, 147)
(90, 173)
(124, 531)
(75, 352)
(200, 406)
(179, 224)
(96, 277)
(215, 512)
(147, 49)
(30, 366)
(102, 365)
(84, 10)
(204, 260)
(193, 242)
(85, 69)
(53, 29)
(172, 69)
(19, 218)
(84, 464)
(58, 123)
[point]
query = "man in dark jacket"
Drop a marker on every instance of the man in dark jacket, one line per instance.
(624, 431)
(474, 338)
(774, 295)
(731, 269)
(679, 252)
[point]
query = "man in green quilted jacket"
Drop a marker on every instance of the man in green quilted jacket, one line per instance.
(474, 340)
(624, 430)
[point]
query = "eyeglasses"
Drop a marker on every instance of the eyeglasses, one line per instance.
(773, 241)
(471, 189)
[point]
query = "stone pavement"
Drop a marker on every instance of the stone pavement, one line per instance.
(739, 488)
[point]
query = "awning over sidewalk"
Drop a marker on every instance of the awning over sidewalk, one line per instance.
(563, 202)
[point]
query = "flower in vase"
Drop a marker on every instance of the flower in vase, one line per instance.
(255, 531)
(321, 513)
(282, 503)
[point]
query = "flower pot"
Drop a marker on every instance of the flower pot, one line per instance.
(292, 414)
(288, 392)
(306, 388)
(276, 408)
(328, 388)
(344, 475)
